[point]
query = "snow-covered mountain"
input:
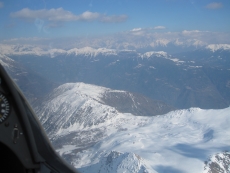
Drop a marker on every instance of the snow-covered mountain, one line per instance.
(116, 162)
(178, 142)
(24, 49)
(84, 106)
(92, 135)
(53, 52)
(215, 47)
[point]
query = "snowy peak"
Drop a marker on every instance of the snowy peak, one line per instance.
(90, 106)
(220, 162)
(154, 53)
(91, 52)
(119, 162)
(82, 105)
(161, 54)
(215, 47)
(53, 52)
(82, 89)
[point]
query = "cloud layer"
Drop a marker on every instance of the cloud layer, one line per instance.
(61, 15)
(137, 38)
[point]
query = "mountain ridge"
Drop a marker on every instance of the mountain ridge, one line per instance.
(85, 133)
(87, 51)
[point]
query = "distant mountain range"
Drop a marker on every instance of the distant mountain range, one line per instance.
(198, 78)
(22, 49)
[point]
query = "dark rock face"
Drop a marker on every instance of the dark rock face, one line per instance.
(219, 163)
(136, 104)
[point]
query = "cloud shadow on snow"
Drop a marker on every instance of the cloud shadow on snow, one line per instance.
(193, 152)
(190, 151)
(167, 169)
(208, 135)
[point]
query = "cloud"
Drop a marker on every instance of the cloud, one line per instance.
(61, 15)
(88, 16)
(186, 32)
(140, 38)
(159, 27)
(214, 5)
(1, 4)
(136, 29)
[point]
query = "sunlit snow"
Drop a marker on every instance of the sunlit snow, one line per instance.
(179, 141)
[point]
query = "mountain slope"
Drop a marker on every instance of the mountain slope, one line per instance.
(75, 107)
(179, 141)
(116, 162)
(85, 131)
(32, 85)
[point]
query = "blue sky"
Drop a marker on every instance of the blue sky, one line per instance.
(73, 18)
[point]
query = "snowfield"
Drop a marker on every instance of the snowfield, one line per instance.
(95, 137)
(177, 142)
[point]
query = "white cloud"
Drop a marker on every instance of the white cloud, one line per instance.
(1, 4)
(58, 14)
(88, 16)
(61, 15)
(159, 27)
(136, 29)
(195, 33)
(214, 5)
(185, 32)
